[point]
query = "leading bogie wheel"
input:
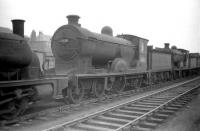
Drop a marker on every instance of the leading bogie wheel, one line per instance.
(75, 94)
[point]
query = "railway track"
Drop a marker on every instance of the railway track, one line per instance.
(54, 113)
(141, 114)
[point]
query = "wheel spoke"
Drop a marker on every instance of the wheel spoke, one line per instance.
(119, 85)
(98, 88)
(74, 94)
(16, 108)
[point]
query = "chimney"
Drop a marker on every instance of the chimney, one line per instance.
(73, 20)
(18, 27)
(150, 47)
(166, 45)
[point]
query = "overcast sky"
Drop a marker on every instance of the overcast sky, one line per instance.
(160, 21)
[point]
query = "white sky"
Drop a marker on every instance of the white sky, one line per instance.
(173, 21)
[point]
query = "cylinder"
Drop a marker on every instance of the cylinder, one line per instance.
(18, 27)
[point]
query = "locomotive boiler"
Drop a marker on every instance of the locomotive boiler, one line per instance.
(180, 57)
(76, 49)
(15, 53)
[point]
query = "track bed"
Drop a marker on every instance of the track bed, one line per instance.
(61, 115)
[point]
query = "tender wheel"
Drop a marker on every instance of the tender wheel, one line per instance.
(16, 108)
(75, 94)
(119, 85)
(98, 88)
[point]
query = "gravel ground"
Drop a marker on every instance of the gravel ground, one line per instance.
(187, 119)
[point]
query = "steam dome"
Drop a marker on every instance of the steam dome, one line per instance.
(107, 30)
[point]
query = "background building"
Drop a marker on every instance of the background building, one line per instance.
(41, 45)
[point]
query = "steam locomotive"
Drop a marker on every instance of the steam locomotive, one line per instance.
(17, 62)
(86, 63)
